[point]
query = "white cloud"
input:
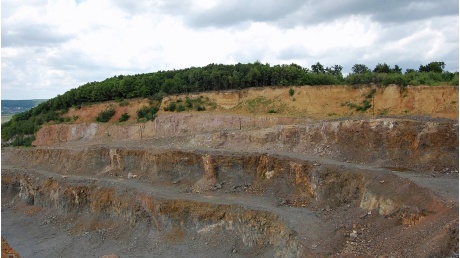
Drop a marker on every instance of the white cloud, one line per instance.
(49, 47)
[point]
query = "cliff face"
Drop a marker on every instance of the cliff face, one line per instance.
(332, 101)
(240, 192)
(298, 181)
(423, 145)
(164, 125)
(418, 144)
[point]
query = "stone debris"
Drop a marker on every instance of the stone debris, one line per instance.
(131, 175)
(216, 187)
(354, 234)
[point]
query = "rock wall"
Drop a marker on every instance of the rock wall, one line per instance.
(164, 125)
(299, 182)
(326, 101)
(413, 144)
(410, 144)
(169, 219)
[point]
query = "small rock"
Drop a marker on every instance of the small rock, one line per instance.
(313, 246)
(382, 181)
(130, 175)
(176, 181)
(353, 234)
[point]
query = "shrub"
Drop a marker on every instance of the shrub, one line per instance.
(105, 116)
(21, 140)
(147, 113)
(188, 103)
(200, 108)
(124, 117)
(171, 107)
(180, 108)
(291, 92)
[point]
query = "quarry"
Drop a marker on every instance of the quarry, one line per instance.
(301, 171)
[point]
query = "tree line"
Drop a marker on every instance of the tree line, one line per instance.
(215, 77)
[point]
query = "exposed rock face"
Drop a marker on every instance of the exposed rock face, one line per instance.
(420, 145)
(288, 233)
(209, 178)
(324, 101)
(255, 228)
(164, 125)
(299, 182)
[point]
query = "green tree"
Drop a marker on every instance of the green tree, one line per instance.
(360, 69)
(382, 68)
(317, 68)
(437, 67)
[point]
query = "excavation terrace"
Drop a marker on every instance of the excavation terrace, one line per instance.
(232, 184)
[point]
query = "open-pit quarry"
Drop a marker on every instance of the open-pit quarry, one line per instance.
(314, 179)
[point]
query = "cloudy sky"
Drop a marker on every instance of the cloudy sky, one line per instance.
(49, 47)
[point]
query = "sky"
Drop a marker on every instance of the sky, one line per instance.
(52, 46)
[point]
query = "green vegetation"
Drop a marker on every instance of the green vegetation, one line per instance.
(123, 103)
(365, 104)
(124, 117)
(105, 115)
(215, 77)
(291, 92)
(198, 104)
(147, 113)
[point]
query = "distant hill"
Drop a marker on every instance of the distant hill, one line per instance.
(11, 107)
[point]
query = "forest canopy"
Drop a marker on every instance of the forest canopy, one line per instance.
(20, 129)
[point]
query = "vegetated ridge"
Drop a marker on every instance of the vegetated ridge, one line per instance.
(20, 130)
